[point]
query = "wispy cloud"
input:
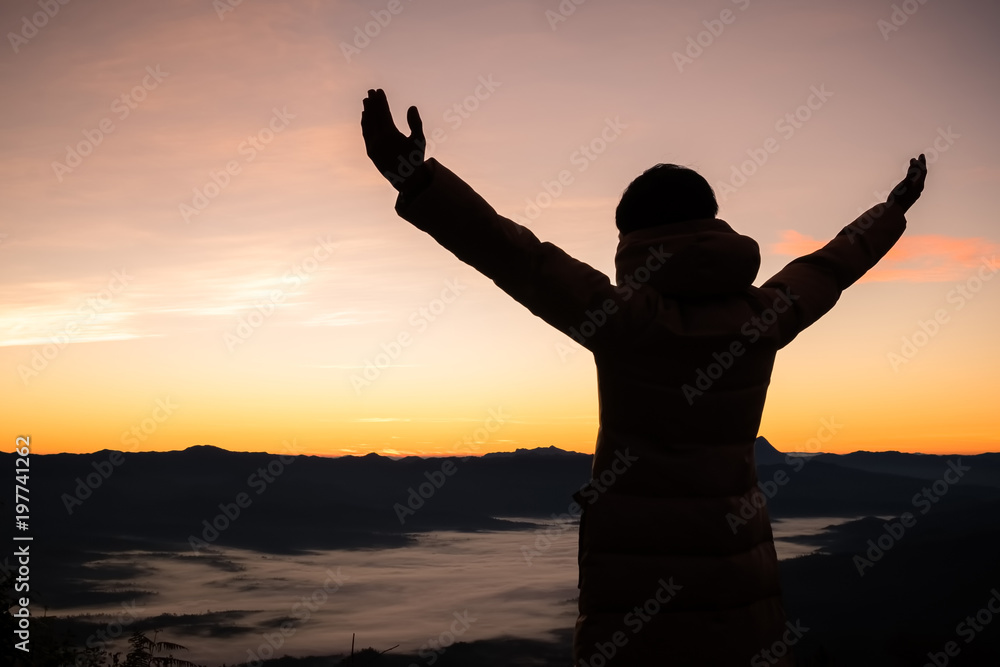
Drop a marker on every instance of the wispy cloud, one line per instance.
(920, 258)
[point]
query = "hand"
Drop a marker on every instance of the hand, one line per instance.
(395, 155)
(908, 191)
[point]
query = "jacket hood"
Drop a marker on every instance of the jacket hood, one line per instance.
(691, 258)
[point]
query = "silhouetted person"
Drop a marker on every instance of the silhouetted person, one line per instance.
(677, 559)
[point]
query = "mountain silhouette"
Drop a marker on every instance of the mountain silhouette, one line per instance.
(765, 453)
(926, 582)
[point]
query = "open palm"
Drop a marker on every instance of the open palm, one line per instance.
(394, 154)
(906, 193)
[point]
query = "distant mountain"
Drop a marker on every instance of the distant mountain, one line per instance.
(985, 468)
(765, 454)
(535, 453)
(204, 496)
(373, 500)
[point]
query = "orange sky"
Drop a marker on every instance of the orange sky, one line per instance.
(195, 249)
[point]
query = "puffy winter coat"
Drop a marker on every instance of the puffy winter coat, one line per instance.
(676, 555)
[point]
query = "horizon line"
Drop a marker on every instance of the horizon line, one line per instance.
(397, 457)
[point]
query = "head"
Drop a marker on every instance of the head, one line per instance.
(663, 194)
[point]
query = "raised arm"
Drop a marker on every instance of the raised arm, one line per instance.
(563, 291)
(815, 281)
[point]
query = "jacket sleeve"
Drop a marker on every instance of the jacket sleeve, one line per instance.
(813, 283)
(539, 275)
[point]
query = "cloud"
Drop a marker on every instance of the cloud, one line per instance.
(920, 258)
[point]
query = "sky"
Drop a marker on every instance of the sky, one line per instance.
(195, 249)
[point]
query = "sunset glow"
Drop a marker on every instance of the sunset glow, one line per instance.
(195, 249)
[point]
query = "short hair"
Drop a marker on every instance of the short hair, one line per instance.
(663, 194)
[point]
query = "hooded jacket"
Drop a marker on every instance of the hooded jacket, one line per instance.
(676, 555)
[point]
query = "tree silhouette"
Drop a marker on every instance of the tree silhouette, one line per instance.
(144, 652)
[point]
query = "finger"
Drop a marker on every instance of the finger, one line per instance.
(378, 107)
(415, 122)
(367, 109)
